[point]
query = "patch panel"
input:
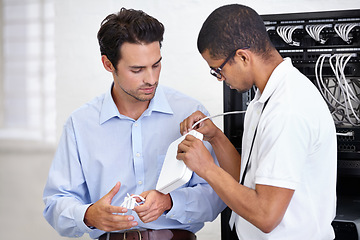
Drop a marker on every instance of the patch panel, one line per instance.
(326, 39)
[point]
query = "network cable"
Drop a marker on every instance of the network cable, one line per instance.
(285, 32)
(217, 115)
(339, 92)
(343, 30)
(315, 30)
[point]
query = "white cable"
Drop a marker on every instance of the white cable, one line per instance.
(320, 81)
(344, 29)
(347, 91)
(342, 72)
(347, 87)
(285, 32)
(217, 115)
(336, 70)
(130, 201)
(347, 134)
(344, 95)
(315, 30)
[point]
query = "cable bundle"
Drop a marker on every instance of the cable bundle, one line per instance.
(341, 93)
(285, 32)
(314, 31)
(130, 201)
(344, 29)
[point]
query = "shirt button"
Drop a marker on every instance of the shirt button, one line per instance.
(135, 124)
(138, 154)
(139, 182)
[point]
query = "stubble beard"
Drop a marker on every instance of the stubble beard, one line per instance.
(138, 97)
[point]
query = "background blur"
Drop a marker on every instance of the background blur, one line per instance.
(50, 65)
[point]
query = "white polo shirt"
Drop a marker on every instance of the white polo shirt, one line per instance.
(295, 148)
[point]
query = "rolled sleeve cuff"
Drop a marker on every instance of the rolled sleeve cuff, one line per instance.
(79, 218)
(177, 210)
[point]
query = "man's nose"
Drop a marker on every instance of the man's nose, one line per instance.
(151, 77)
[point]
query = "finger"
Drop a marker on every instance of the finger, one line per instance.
(186, 143)
(183, 147)
(148, 218)
(145, 216)
(138, 200)
(143, 208)
(194, 118)
(118, 222)
(186, 125)
(145, 194)
(116, 209)
(110, 195)
(183, 129)
(189, 138)
(180, 156)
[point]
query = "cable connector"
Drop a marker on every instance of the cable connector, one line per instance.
(346, 134)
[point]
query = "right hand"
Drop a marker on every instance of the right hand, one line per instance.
(207, 127)
(103, 216)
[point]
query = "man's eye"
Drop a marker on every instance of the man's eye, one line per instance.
(136, 71)
(156, 66)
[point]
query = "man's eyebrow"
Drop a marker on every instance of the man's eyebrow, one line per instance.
(138, 67)
(158, 61)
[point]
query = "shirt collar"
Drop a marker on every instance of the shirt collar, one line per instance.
(275, 79)
(158, 104)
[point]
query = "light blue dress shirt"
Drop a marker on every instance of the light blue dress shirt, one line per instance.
(100, 147)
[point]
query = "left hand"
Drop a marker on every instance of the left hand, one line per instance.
(155, 205)
(195, 155)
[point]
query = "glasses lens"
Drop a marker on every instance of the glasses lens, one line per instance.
(215, 73)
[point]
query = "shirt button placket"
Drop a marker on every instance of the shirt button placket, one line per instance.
(138, 157)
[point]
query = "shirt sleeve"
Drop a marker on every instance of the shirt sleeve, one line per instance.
(197, 202)
(283, 151)
(65, 194)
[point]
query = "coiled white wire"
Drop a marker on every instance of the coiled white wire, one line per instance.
(340, 92)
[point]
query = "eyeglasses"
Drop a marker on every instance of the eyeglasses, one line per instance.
(217, 72)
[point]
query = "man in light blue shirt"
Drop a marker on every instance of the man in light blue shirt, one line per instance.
(116, 144)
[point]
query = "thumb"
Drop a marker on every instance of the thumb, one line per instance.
(109, 196)
(145, 194)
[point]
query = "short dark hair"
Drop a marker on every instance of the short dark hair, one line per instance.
(232, 27)
(128, 25)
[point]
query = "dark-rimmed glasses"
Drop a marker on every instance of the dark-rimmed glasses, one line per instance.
(217, 72)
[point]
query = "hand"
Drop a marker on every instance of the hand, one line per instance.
(207, 127)
(155, 205)
(102, 215)
(195, 155)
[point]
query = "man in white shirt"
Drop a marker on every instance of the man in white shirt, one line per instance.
(287, 172)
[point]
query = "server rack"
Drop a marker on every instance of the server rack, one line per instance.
(310, 39)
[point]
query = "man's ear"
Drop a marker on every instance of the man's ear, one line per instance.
(107, 64)
(243, 55)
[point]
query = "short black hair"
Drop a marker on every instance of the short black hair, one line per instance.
(128, 25)
(232, 27)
